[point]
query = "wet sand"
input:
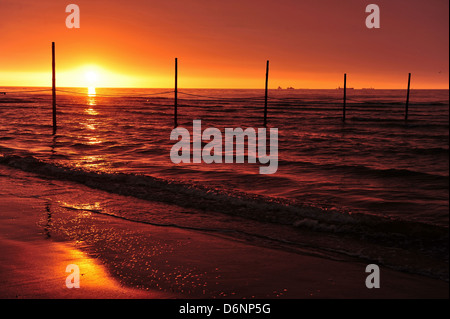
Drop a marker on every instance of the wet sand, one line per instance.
(123, 259)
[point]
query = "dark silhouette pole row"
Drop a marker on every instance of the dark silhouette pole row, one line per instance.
(54, 87)
(176, 93)
(407, 97)
(265, 96)
(345, 97)
(175, 120)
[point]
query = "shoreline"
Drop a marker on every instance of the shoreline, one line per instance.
(124, 259)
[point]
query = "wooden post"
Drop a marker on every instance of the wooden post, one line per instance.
(345, 97)
(407, 97)
(54, 87)
(175, 120)
(265, 98)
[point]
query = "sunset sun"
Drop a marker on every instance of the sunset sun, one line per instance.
(91, 78)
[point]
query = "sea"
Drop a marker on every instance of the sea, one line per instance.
(372, 188)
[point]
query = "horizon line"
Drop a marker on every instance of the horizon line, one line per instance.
(214, 88)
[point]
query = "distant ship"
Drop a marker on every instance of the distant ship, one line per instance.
(288, 88)
(339, 88)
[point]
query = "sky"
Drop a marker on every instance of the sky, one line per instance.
(225, 44)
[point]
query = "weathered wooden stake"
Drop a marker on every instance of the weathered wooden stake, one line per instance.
(175, 120)
(407, 97)
(54, 87)
(265, 98)
(345, 97)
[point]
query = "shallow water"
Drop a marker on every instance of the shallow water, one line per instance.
(373, 164)
(377, 183)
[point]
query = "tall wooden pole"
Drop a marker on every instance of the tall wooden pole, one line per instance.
(54, 87)
(175, 119)
(265, 98)
(407, 97)
(345, 97)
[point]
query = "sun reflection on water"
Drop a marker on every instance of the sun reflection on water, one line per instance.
(91, 91)
(96, 163)
(91, 111)
(92, 140)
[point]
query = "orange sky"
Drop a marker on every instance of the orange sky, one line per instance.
(224, 44)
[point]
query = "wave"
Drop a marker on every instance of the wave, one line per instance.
(398, 122)
(428, 239)
(362, 170)
(15, 100)
(191, 195)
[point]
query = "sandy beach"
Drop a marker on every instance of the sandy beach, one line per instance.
(124, 259)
